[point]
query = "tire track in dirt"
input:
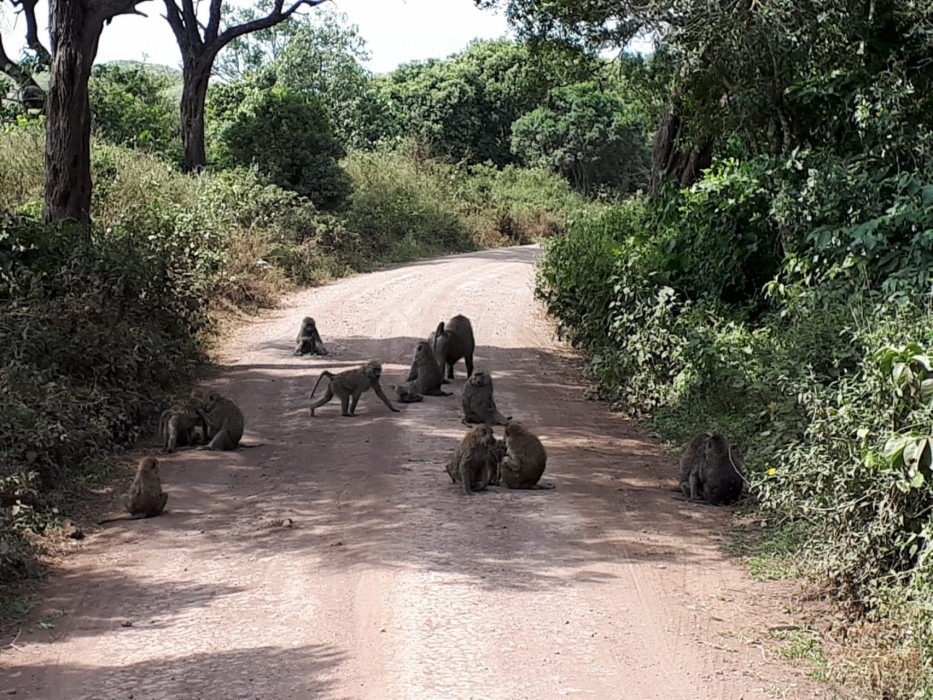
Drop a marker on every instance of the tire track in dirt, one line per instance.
(387, 582)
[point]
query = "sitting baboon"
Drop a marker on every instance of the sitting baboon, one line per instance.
(181, 424)
(425, 375)
(710, 471)
(524, 461)
(453, 342)
(145, 498)
(349, 385)
(309, 340)
(478, 403)
(224, 420)
(407, 393)
(472, 464)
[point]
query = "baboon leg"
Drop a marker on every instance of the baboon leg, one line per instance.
(694, 486)
(436, 392)
(468, 360)
(385, 399)
(222, 441)
(298, 350)
(346, 409)
(163, 499)
(328, 395)
(466, 476)
(450, 371)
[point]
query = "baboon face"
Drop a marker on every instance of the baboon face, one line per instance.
(307, 323)
(489, 437)
(373, 371)
(480, 378)
(514, 429)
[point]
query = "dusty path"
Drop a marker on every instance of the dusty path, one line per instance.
(389, 583)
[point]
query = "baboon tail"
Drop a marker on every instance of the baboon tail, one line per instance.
(323, 374)
(437, 334)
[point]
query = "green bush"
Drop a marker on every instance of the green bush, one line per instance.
(288, 137)
(130, 106)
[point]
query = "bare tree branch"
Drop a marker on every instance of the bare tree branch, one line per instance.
(28, 9)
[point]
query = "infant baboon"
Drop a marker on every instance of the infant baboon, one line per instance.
(407, 393)
(472, 464)
(425, 374)
(709, 471)
(453, 342)
(349, 385)
(224, 421)
(145, 498)
(478, 403)
(309, 340)
(524, 461)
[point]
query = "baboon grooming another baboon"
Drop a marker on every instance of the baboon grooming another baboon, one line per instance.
(145, 498)
(309, 340)
(453, 342)
(180, 423)
(524, 461)
(425, 373)
(407, 393)
(472, 464)
(349, 385)
(709, 471)
(478, 403)
(224, 421)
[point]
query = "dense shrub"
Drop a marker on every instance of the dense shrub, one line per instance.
(287, 136)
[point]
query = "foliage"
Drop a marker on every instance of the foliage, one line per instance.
(317, 55)
(287, 136)
(583, 133)
(130, 106)
(463, 108)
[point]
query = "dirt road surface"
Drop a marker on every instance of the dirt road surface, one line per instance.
(385, 581)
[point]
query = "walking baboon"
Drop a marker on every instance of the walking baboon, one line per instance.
(524, 461)
(407, 393)
(349, 385)
(709, 471)
(473, 463)
(453, 342)
(309, 340)
(478, 403)
(425, 373)
(224, 421)
(145, 499)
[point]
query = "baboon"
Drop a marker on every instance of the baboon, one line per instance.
(181, 425)
(524, 461)
(425, 373)
(224, 421)
(407, 393)
(309, 340)
(349, 385)
(478, 403)
(472, 464)
(709, 471)
(453, 342)
(145, 498)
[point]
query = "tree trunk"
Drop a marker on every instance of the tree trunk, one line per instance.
(197, 73)
(68, 113)
(669, 159)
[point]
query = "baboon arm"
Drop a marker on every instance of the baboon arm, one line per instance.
(385, 399)
(412, 373)
(465, 475)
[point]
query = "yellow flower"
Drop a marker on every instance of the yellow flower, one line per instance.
(772, 471)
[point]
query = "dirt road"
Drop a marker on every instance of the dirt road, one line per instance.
(388, 582)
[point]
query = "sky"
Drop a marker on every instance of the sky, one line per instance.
(396, 31)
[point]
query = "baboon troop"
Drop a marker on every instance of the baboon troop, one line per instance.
(478, 403)
(349, 385)
(145, 499)
(309, 340)
(182, 425)
(710, 471)
(452, 343)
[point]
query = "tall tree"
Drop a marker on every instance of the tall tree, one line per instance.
(75, 28)
(200, 42)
